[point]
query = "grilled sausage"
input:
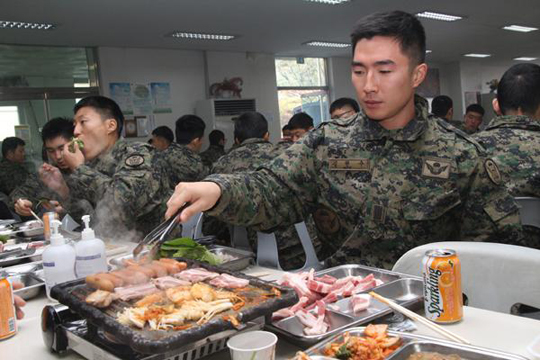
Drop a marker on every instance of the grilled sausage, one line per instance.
(172, 268)
(146, 270)
(180, 265)
(99, 282)
(159, 269)
(118, 282)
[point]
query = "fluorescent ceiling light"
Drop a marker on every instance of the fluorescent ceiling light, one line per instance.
(438, 16)
(524, 58)
(329, 2)
(477, 55)
(25, 25)
(429, 51)
(327, 44)
(201, 36)
(519, 28)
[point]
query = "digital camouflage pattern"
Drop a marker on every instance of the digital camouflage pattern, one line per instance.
(377, 192)
(34, 190)
(282, 145)
(182, 164)
(513, 142)
(249, 156)
(12, 174)
(126, 187)
(210, 155)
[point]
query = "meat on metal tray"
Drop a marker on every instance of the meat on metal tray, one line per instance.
(73, 295)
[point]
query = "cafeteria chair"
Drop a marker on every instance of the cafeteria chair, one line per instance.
(193, 227)
(239, 237)
(493, 276)
(267, 250)
(529, 211)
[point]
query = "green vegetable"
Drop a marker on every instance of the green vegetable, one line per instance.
(74, 140)
(4, 238)
(343, 353)
(188, 248)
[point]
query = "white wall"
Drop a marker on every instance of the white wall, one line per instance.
(339, 72)
(451, 84)
(184, 70)
(258, 72)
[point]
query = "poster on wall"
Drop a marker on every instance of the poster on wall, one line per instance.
(161, 97)
(121, 93)
(130, 128)
(141, 99)
(23, 132)
(145, 124)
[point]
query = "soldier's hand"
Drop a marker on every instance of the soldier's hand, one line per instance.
(73, 159)
(19, 302)
(53, 179)
(23, 207)
(55, 206)
(201, 195)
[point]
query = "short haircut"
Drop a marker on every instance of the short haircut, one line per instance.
(342, 102)
(107, 108)
(164, 132)
(189, 127)
(56, 127)
(440, 105)
(10, 144)
(286, 128)
(404, 27)
(301, 121)
(250, 125)
(477, 108)
(215, 137)
(519, 88)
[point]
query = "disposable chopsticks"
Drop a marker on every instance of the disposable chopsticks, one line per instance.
(412, 315)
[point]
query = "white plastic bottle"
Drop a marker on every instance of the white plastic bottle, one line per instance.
(90, 252)
(58, 260)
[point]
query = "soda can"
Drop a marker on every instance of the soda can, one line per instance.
(443, 299)
(47, 218)
(8, 321)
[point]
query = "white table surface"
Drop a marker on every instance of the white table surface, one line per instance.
(481, 327)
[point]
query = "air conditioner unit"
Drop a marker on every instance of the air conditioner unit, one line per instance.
(219, 114)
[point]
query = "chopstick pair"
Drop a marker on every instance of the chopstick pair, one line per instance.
(33, 214)
(412, 315)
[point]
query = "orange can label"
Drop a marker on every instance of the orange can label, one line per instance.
(48, 217)
(443, 299)
(8, 322)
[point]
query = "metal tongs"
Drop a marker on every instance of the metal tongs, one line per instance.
(156, 237)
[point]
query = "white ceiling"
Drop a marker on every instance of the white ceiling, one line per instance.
(271, 26)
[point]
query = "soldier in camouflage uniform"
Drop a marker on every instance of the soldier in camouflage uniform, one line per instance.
(383, 182)
(285, 140)
(181, 158)
(120, 179)
(343, 108)
(55, 134)
(513, 138)
(254, 150)
(216, 148)
(12, 169)
(473, 119)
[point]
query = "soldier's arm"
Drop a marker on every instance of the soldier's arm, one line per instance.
(29, 190)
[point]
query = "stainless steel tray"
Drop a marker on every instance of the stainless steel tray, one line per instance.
(32, 285)
(406, 291)
(17, 259)
(242, 261)
(412, 343)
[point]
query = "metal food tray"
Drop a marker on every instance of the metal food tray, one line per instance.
(242, 261)
(406, 291)
(12, 260)
(32, 285)
(147, 341)
(412, 343)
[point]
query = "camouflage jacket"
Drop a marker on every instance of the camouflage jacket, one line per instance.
(126, 187)
(379, 192)
(182, 164)
(282, 145)
(12, 174)
(35, 190)
(210, 155)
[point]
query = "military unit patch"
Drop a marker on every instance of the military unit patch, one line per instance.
(493, 171)
(134, 160)
(436, 168)
(349, 164)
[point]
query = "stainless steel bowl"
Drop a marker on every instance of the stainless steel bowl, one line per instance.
(32, 285)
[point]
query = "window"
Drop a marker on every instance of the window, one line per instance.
(9, 117)
(302, 86)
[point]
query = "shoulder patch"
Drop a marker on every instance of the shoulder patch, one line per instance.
(493, 171)
(462, 134)
(134, 160)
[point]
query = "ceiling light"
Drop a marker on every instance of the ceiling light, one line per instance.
(519, 28)
(524, 58)
(327, 44)
(429, 51)
(200, 36)
(438, 16)
(477, 55)
(329, 2)
(25, 25)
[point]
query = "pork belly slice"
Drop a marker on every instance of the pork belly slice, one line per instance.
(229, 282)
(136, 291)
(195, 275)
(359, 302)
(319, 287)
(166, 282)
(314, 324)
(101, 298)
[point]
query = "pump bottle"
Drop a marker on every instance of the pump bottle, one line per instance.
(90, 252)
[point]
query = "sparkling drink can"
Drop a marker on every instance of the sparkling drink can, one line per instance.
(47, 218)
(443, 299)
(8, 321)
